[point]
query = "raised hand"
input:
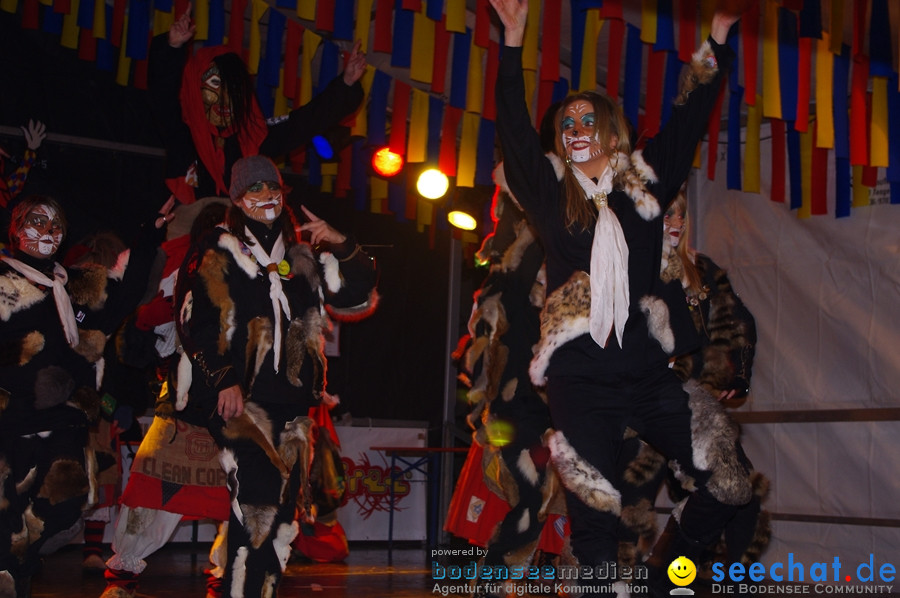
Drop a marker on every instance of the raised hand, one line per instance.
(34, 134)
(355, 64)
(319, 230)
(183, 29)
(513, 14)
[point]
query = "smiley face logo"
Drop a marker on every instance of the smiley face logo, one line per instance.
(682, 571)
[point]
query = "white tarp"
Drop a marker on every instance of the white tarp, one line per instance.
(825, 293)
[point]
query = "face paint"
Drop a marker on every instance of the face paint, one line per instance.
(579, 132)
(215, 98)
(262, 202)
(41, 233)
(673, 226)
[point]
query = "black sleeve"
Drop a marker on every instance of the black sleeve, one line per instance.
(164, 71)
(671, 152)
(327, 109)
(350, 290)
(530, 175)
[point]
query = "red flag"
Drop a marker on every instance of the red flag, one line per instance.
(325, 15)
(489, 109)
(804, 70)
(441, 50)
(750, 39)
(687, 30)
(87, 45)
(482, 34)
(818, 188)
(447, 157)
(779, 159)
(550, 40)
(714, 125)
(614, 68)
(236, 26)
(859, 115)
(397, 141)
(656, 66)
(384, 12)
(292, 45)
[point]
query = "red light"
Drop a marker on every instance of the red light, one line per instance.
(387, 163)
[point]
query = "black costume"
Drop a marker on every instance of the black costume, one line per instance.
(225, 322)
(594, 392)
(47, 399)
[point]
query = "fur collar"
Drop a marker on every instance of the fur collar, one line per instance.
(88, 286)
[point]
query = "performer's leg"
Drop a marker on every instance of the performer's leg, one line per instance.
(139, 533)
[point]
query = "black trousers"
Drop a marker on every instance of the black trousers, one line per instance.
(592, 412)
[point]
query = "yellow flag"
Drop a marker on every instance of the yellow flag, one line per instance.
(532, 33)
(771, 71)
(69, 36)
(837, 26)
(123, 71)
(422, 61)
(9, 6)
(455, 11)
(468, 150)
(363, 20)
(824, 93)
(281, 104)
(311, 43)
(860, 191)
(162, 21)
(475, 85)
(878, 151)
(201, 19)
(417, 145)
(306, 9)
(98, 28)
(592, 26)
(751, 149)
(649, 21)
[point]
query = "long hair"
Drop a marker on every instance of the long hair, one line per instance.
(610, 122)
(239, 88)
(24, 207)
(691, 279)
(237, 220)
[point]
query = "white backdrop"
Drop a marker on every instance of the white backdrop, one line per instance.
(825, 293)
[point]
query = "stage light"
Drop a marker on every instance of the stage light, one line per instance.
(330, 143)
(464, 209)
(387, 163)
(432, 184)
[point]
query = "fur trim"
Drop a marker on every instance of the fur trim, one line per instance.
(303, 263)
(7, 585)
(91, 344)
(305, 337)
(212, 271)
(527, 467)
(87, 286)
(32, 344)
(260, 338)
(508, 392)
(185, 377)
(512, 257)
(524, 521)
(239, 572)
(713, 439)
(253, 425)
(88, 400)
(634, 175)
(258, 521)
(641, 518)
(332, 270)
(566, 316)
(229, 465)
(701, 70)
(16, 294)
(27, 482)
(117, 272)
(657, 313)
(645, 466)
(282, 542)
(233, 246)
(65, 480)
(187, 308)
(558, 166)
(139, 519)
(583, 479)
(52, 386)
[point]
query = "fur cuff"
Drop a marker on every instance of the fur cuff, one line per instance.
(583, 479)
(701, 70)
(657, 313)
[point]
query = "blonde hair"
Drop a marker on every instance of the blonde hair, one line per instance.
(691, 279)
(610, 122)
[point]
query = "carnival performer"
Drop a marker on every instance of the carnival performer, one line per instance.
(47, 398)
(720, 370)
(209, 116)
(253, 303)
(508, 415)
(608, 326)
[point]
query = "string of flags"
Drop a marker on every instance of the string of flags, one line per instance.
(820, 76)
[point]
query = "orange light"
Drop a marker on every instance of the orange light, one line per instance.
(387, 163)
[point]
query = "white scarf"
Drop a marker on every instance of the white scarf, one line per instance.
(276, 293)
(609, 263)
(60, 296)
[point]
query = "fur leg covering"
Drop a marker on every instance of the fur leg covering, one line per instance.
(713, 438)
(583, 479)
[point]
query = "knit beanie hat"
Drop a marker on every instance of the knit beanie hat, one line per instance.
(250, 170)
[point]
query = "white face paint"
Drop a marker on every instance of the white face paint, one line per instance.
(673, 226)
(262, 202)
(579, 132)
(41, 233)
